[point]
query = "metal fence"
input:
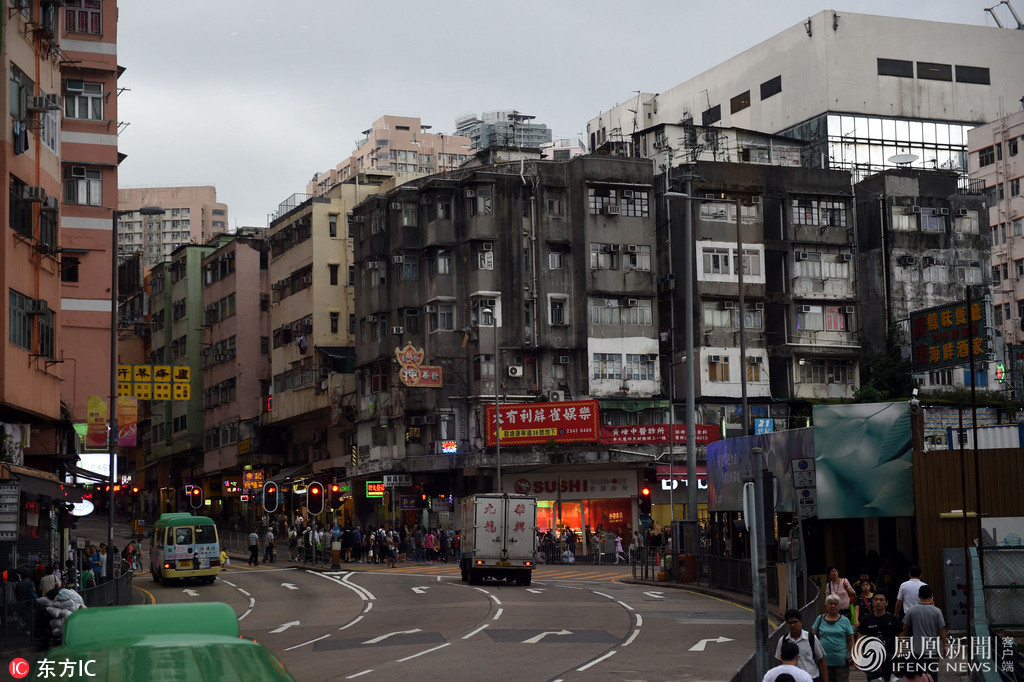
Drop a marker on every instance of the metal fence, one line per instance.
(25, 624)
(1004, 591)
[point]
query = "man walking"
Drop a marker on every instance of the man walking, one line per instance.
(812, 657)
(927, 630)
(268, 549)
(789, 655)
(883, 626)
(254, 548)
(907, 598)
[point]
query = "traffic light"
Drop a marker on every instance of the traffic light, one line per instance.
(645, 499)
(195, 497)
(270, 496)
(335, 496)
(315, 498)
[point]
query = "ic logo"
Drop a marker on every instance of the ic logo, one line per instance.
(19, 668)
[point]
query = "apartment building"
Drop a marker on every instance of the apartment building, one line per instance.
(488, 290)
(38, 441)
(192, 215)
(398, 147)
(996, 162)
(508, 128)
(861, 89)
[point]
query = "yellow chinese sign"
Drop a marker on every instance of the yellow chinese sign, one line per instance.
(154, 382)
(949, 335)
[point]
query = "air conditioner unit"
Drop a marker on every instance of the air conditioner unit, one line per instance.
(78, 171)
(416, 421)
(633, 248)
(396, 206)
(38, 307)
(398, 260)
(398, 330)
(631, 303)
(515, 370)
(286, 327)
(51, 204)
(470, 193)
(802, 255)
(714, 358)
(371, 318)
(430, 308)
(556, 396)
(35, 103)
(611, 303)
(274, 286)
(915, 209)
(729, 305)
(486, 246)
(614, 248)
(755, 359)
(34, 193)
(962, 211)
(372, 265)
(612, 209)
(358, 219)
(759, 306)
(307, 279)
(652, 357)
(943, 211)
(563, 359)
(627, 194)
(805, 308)
(429, 419)
(54, 102)
(850, 309)
(846, 257)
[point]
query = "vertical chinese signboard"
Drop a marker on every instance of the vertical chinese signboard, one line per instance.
(948, 335)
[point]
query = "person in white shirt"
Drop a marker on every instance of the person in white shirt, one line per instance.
(812, 655)
(907, 597)
(789, 654)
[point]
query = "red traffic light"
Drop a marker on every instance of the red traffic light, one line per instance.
(271, 489)
(335, 488)
(314, 490)
(645, 491)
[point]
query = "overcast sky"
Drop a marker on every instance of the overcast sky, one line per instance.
(255, 97)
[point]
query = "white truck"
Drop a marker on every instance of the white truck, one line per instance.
(498, 538)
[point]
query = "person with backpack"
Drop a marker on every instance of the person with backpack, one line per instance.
(835, 631)
(812, 656)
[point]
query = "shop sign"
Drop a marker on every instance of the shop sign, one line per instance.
(571, 421)
(575, 486)
(406, 502)
(658, 434)
(375, 489)
(413, 372)
(948, 335)
(252, 482)
(681, 477)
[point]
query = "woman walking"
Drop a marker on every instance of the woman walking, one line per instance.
(618, 549)
(835, 632)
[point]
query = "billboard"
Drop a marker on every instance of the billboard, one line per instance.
(729, 463)
(570, 421)
(945, 335)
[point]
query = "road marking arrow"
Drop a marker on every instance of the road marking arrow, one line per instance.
(421, 590)
(289, 586)
(191, 593)
(655, 595)
(530, 589)
(534, 640)
(284, 627)
(377, 640)
(699, 646)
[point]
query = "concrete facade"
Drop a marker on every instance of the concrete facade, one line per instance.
(504, 129)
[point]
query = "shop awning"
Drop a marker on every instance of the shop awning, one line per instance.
(290, 473)
(41, 483)
(343, 358)
(633, 405)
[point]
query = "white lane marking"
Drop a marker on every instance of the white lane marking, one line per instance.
(369, 595)
(421, 590)
(369, 605)
(244, 592)
(602, 594)
(289, 586)
(596, 661)
(626, 605)
(476, 631)
(351, 623)
(497, 614)
(297, 646)
(495, 598)
(378, 640)
(227, 582)
(480, 589)
(639, 620)
(245, 614)
(191, 593)
(536, 638)
(654, 595)
(284, 626)
(630, 639)
(359, 674)
(252, 602)
(363, 593)
(409, 658)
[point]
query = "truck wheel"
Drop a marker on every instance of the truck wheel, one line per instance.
(525, 578)
(474, 577)
(465, 573)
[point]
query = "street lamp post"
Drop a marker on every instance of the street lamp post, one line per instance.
(112, 416)
(497, 370)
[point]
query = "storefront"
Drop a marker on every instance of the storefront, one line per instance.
(661, 504)
(594, 501)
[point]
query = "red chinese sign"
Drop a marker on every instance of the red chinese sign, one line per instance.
(948, 335)
(658, 434)
(413, 372)
(572, 421)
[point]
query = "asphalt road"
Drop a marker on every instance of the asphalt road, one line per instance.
(422, 622)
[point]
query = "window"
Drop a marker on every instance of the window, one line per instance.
(21, 87)
(604, 311)
(895, 67)
(483, 368)
(444, 262)
(1015, 187)
(641, 313)
(931, 221)
(639, 367)
(972, 74)
(409, 215)
(410, 268)
(411, 320)
(718, 368)
(20, 322)
(771, 87)
(83, 100)
(1017, 227)
(19, 210)
(986, 156)
(604, 256)
(810, 318)
(483, 311)
(607, 366)
(557, 311)
(444, 318)
(555, 259)
(351, 275)
(835, 319)
(968, 272)
(805, 212)
(635, 204)
(754, 369)
(83, 186)
(716, 261)
(934, 72)
(967, 224)
(83, 16)
(49, 131)
(484, 260)
(751, 262)
(332, 225)
(639, 257)
(335, 319)
(1018, 267)
(739, 102)
(833, 213)
(332, 268)
(69, 268)
(552, 204)
(717, 315)
(808, 264)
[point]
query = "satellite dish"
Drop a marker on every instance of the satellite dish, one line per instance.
(903, 159)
